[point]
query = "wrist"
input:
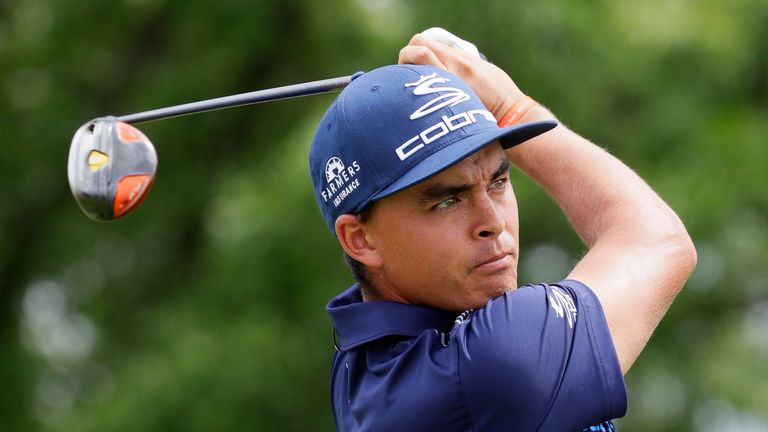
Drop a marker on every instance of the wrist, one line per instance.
(514, 114)
(538, 113)
(524, 110)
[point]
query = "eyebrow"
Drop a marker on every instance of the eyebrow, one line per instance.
(440, 191)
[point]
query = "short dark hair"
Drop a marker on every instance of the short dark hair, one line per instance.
(357, 268)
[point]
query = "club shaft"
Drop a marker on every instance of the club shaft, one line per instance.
(254, 97)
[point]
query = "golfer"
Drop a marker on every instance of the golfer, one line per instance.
(410, 168)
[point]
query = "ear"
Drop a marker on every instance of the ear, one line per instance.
(354, 237)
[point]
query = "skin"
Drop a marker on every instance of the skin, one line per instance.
(639, 252)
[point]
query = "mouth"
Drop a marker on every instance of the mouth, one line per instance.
(495, 263)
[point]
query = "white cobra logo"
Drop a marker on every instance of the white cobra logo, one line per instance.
(423, 86)
(562, 304)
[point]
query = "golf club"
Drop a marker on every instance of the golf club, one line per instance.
(112, 165)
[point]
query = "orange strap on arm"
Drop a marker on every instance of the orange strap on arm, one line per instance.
(518, 110)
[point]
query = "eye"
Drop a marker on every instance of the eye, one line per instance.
(499, 183)
(450, 202)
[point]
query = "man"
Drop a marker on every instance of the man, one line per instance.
(410, 171)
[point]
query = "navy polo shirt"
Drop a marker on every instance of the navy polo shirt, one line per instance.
(539, 358)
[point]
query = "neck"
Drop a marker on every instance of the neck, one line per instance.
(374, 293)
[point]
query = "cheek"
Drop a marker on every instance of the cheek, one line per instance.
(513, 222)
(509, 210)
(420, 250)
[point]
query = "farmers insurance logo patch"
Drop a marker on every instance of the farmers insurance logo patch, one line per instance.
(340, 179)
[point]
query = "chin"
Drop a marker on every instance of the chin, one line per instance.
(498, 291)
(500, 287)
(488, 293)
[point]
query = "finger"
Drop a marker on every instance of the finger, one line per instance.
(444, 36)
(415, 54)
(453, 58)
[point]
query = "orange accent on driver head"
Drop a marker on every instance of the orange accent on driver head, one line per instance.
(128, 133)
(131, 191)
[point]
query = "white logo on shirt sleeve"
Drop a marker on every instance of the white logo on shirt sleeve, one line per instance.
(562, 304)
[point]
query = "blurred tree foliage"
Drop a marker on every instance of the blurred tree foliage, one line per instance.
(204, 310)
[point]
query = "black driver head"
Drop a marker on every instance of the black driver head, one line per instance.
(111, 168)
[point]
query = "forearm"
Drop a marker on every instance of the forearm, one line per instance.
(599, 194)
(640, 254)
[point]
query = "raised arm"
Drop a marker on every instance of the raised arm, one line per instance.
(640, 254)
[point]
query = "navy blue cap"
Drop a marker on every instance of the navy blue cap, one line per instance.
(394, 127)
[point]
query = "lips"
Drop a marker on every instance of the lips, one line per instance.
(496, 262)
(495, 258)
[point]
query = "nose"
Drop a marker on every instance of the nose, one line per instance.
(490, 222)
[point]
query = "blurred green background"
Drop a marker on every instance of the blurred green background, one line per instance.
(204, 309)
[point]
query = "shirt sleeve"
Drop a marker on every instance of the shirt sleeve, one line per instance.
(540, 358)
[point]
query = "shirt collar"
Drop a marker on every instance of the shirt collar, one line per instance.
(358, 322)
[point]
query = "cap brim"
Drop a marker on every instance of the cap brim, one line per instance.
(460, 150)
